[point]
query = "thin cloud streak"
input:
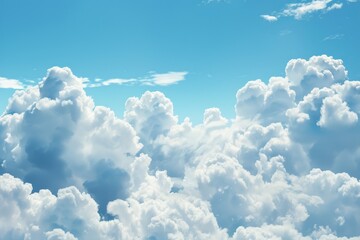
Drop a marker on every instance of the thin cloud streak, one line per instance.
(334, 37)
(165, 79)
(155, 79)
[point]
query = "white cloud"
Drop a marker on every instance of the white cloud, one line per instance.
(10, 83)
(258, 101)
(334, 37)
(59, 234)
(47, 126)
(335, 6)
(157, 79)
(317, 72)
(286, 167)
(271, 232)
(335, 112)
(165, 79)
(269, 18)
(298, 10)
(213, 118)
(150, 115)
(113, 81)
(301, 9)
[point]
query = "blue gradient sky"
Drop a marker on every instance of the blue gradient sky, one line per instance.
(221, 44)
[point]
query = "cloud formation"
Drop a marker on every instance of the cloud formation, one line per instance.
(286, 167)
(301, 9)
(165, 79)
(155, 79)
(269, 18)
(298, 10)
(334, 37)
(10, 83)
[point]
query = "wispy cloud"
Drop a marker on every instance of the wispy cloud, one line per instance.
(335, 6)
(165, 79)
(301, 9)
(298, 10)
(155, 79)
(269, 18)
(334, 37)
(10, 83)
(214, 1)
(113, 81)
(285, 32)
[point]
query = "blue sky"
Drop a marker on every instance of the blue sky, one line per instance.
(220, 44)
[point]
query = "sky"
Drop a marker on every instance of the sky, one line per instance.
(168, 119)
(219, 44)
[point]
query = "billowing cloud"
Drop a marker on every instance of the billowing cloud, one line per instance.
(286, 167)
(54, 132)
(317, 72)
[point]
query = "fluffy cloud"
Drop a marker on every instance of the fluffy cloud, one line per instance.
(265, 103)
(42, 215)
(54, 132)
(317, 72)
(286, 167)
(334, 112)
(152, 212)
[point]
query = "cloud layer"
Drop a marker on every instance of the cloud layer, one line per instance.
(286, 167)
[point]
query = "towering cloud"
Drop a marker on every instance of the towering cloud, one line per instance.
(53, 137)
(286, 167)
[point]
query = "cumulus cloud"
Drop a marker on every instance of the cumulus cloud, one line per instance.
(334, 112)
(54, 132)
(317, 72)
(256, 100)
(286, 167)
